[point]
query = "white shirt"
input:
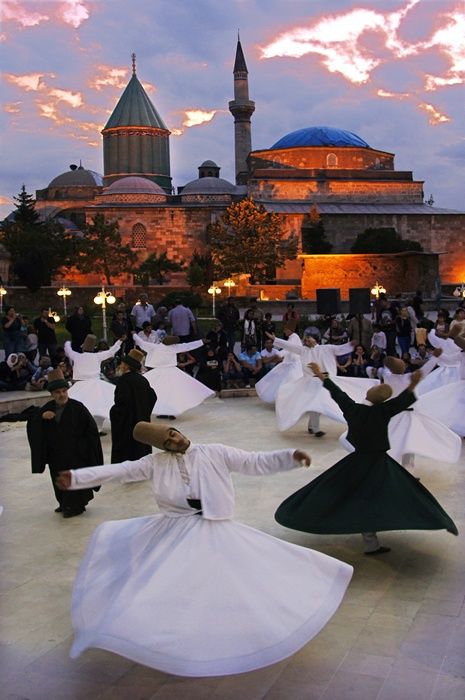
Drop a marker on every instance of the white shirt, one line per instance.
(142, 313)
(86, 365)
(160, 355)
(323, 355)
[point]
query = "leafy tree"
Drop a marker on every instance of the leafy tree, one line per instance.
(40, 250)
(248, 239)
(200, 270)
(313, 234)
(102, 252)
(383, 240)
(155, 268)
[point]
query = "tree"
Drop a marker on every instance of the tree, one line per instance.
(155, 268)
(248, 239)
(40, 250)
(200, 270)
(102, 251)
(313, 234)
(383, 240)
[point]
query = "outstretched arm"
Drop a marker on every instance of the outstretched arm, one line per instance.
(281, 343)
(261, 463)
(74, 479)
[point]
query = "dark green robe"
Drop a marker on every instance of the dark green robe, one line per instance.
(134, 402)
(71, 443)
(367, 491)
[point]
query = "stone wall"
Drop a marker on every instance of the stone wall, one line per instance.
(329, 190)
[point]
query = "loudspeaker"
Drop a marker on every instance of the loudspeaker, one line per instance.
(328, 302)
(359, 300)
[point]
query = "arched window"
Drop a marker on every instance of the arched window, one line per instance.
(139, 236)
(331, 160)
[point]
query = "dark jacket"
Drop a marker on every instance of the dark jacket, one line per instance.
(134, 402)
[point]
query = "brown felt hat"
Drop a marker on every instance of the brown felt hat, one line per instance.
(154, 434)
(89, 343)
(56, 380)
(380, 393)
(133, 359)
(455, 331)
(460, 341)
(171, 340)
(395, 365)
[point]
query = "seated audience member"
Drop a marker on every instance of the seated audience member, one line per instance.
(359, 362)
(233, 377)
(15, 372)
(420, 355)
(375, 363)
(267, 325)
(148, 334)
(336, 333)
(209, 372)
(63, 362)
(251, 363)
(39, 378)
(378, 338)
(343, 364)
(217, 338)
(186, 362)
(249, 330)
(441, 325)
(407, 359)
(270, 355)
(458, 323)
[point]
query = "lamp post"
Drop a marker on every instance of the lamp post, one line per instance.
(102, 299)
(64, 292)
(2, 294)
(458, 291)
(214, 290)
(229, 283)
(377, 290)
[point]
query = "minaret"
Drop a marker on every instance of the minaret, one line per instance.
(242, 109)
(135, 138)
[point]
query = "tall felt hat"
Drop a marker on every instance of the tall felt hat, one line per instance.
(395, 365)
(89, 343)
(459, 340)
(133, 359)
(171, 340)
(154, 434)
(379, 393)
(56, 380)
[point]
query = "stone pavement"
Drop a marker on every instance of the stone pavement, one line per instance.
(398, 635)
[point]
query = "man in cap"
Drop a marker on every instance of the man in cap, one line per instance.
(60, 434)
(134, 402)
(366, 491)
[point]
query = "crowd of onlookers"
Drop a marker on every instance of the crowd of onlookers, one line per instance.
(238, 351)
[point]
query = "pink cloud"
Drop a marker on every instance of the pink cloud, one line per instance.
(74, 12)
(108, 76)
(72, 98)
(12, 107)
(10, 10)
(31, 81)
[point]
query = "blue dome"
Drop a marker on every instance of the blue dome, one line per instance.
(320, 136)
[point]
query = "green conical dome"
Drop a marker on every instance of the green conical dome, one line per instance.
(135, 109)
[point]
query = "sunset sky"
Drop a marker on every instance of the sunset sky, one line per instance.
(392, 71)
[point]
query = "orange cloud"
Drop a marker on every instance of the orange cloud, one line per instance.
(72, 98)
(4, 200)
(33, 81)
(435, 116)
(395, 95)
(12, 107)
(194, 117)
(109, 77)
(450, 40)
(73, 12)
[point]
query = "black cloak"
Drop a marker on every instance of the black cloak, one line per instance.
(134, 402)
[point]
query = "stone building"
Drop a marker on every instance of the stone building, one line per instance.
(353, 185)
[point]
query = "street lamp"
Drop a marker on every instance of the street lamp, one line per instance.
(458, 291)
(377, 290)
(2, 294)
(103, 298)
(214, 290)
(53, 314)
(229, 283)
(64, 292)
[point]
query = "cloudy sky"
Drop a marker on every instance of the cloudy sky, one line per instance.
(392, 71)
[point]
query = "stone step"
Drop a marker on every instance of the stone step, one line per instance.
(17, 401)
(233, 393)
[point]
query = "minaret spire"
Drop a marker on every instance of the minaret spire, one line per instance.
(133, 57)
(242, 109)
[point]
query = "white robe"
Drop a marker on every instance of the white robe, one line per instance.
(286, 371)
(97, 395)
(199, 594)
(296, 397)
(176, 390)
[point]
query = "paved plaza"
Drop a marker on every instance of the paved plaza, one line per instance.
(398, 635)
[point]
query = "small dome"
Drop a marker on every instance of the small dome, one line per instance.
(209, 185)
(134, 185)
(320, 136)
(77, 177)
(208, 164)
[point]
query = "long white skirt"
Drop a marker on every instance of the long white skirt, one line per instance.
(268, 386)
(97, 396)
(197, 597)
(446, 404)
(308, 394)
(176, 391)
(410, 432)
(438, 378)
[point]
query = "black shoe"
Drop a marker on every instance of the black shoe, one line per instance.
(59, 509)
(68, 513)
(167, 417)
(310, 430)
(319, 433)
(101, 433)
(380, 550)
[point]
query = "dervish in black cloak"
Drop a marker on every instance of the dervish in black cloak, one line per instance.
(134, 402)
(367, 491)
(61, 434)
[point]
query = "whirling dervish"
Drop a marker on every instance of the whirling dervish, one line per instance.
(286, 371)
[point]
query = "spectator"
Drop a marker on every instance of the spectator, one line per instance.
(420, 356)
(47, 340)
(32, 344)
(229, 316)
(161, 316)
(256, 314)
(375, 363)
(359, 361)
(78, 326)
(39, 379)
(141, 311)
(441, 325)
(378, 338)
(268, 326)
(183, 323)
(403, 330)
(121, 330)
(148, 334)
(407, 360)
(186, 362)
(249, 330)
(417, 303)
(15, 372)
(335, 334)
(233, 377)
(11, 323)
(291, 315)
(218, 340)
(251, 363)
(458, 322)
(270, 355)
(209, 372)
(343, 364)
(360, 329)
(386, 320)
